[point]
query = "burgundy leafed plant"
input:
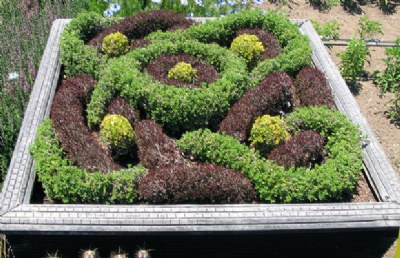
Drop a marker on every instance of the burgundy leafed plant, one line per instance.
(304, 149)
(195, 183)
(313, 89)
(120, 106)
(67, 113)
(270, 97)
(142, 24)
(155, 149)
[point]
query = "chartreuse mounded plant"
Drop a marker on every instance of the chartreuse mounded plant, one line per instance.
(247, 46)
(66, 183)
(117, 132)
(176, 109)
(268, 132)
(296, 51)
(335, 179)
(115, 44)
(183, 72)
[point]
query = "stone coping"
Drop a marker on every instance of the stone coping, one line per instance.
(17, 216)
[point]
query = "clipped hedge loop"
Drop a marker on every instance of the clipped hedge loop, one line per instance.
(331, 181)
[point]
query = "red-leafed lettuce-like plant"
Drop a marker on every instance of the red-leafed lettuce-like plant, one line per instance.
(271, 96)
(195, 183)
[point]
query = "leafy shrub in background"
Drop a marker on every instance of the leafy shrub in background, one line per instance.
(155, 149)
(368, 28)
(183, 72)
(115, 44)
(67, 113)
(390, 78)
(324, 5)
(353, 59)
(328, 30)
(312, 88)
(333, 180)
(117, 132)
(247, 46)
(271, 96)
(268, 132)
(66, 183)
(304, 149)
(195, 183)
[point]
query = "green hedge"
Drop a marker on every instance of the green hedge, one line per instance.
(64, 182)
(77, 57)
(296, 52)
(177, 109)
(333, 180)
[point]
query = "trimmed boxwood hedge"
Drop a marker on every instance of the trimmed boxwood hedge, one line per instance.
(177, 109)
(296, 52)
(67, 183)
(331, 181)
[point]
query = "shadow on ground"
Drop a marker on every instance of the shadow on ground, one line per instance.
(340, 244)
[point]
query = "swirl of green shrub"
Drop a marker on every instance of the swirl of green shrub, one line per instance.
(195, 183)
(176, 109)
(268, 132)
(333, 180)
(116, 44)
(296, 51)
(116, 131)
(247, 46)
(183, 72)
(66, 183)
(91, 28)
(77, 57)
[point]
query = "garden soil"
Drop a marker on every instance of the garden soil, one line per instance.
(373, 104)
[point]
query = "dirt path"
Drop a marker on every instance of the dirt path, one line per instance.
(371, 102)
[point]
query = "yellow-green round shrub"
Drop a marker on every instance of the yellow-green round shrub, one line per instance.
(268, 132)
(183, 72)
(117, 132)
(247, 46)
(115, 44)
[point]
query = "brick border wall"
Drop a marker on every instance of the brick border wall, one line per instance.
(18, 216)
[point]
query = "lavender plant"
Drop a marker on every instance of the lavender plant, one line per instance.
(24, 28)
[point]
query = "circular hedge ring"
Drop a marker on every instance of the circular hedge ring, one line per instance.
(333, 180)
(177, 109)
(296, 52)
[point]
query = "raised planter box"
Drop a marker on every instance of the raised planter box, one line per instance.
(17, 215)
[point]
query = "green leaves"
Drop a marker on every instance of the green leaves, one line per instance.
(332, 180)
(353, 60)
(62, 181)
